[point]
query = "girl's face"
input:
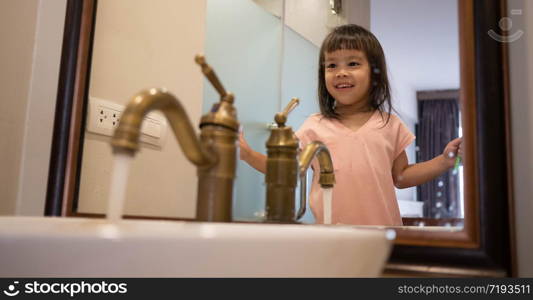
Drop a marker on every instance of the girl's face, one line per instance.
(347, 76)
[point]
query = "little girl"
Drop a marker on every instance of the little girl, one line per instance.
(367, 143)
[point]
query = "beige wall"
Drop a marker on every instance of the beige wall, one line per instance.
(41, 108)
(17, 23)
(141, 44)
(33, 32)
(521, 64)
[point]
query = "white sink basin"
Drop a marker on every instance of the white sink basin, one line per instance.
(80, 247)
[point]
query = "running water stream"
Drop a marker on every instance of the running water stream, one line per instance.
(119, 180)
(327, 194)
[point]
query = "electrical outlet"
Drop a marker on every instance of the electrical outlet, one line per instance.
(108, 117)
(104, 116)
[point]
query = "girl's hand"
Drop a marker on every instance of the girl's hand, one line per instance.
(452, 150)
(244, 148)
(255, 159)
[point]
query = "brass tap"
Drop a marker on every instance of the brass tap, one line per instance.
(213, 153)
(284, 168)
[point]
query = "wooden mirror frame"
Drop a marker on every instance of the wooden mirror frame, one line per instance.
(485, 247)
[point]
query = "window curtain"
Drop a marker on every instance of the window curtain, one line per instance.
(438, 125)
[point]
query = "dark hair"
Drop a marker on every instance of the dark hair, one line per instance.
(355, 37)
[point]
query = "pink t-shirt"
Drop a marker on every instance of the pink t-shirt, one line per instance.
(364, 192)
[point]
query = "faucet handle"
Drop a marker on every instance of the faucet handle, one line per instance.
(212, 77)
(281, 117)
(222, 113)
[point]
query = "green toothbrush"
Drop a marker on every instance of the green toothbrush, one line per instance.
(457, 162)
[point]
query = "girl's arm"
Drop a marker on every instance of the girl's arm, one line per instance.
(406, 175)
(253, 158)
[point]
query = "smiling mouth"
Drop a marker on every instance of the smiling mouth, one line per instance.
(344, 86)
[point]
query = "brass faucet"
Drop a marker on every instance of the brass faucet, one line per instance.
(284, 168)
(214, 153)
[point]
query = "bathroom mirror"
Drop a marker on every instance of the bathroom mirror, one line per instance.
(276, 54)
(482, 242)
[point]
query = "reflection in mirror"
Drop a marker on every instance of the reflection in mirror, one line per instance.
(265, 53)
(138, 45)
(420, 40)
(248, 58)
